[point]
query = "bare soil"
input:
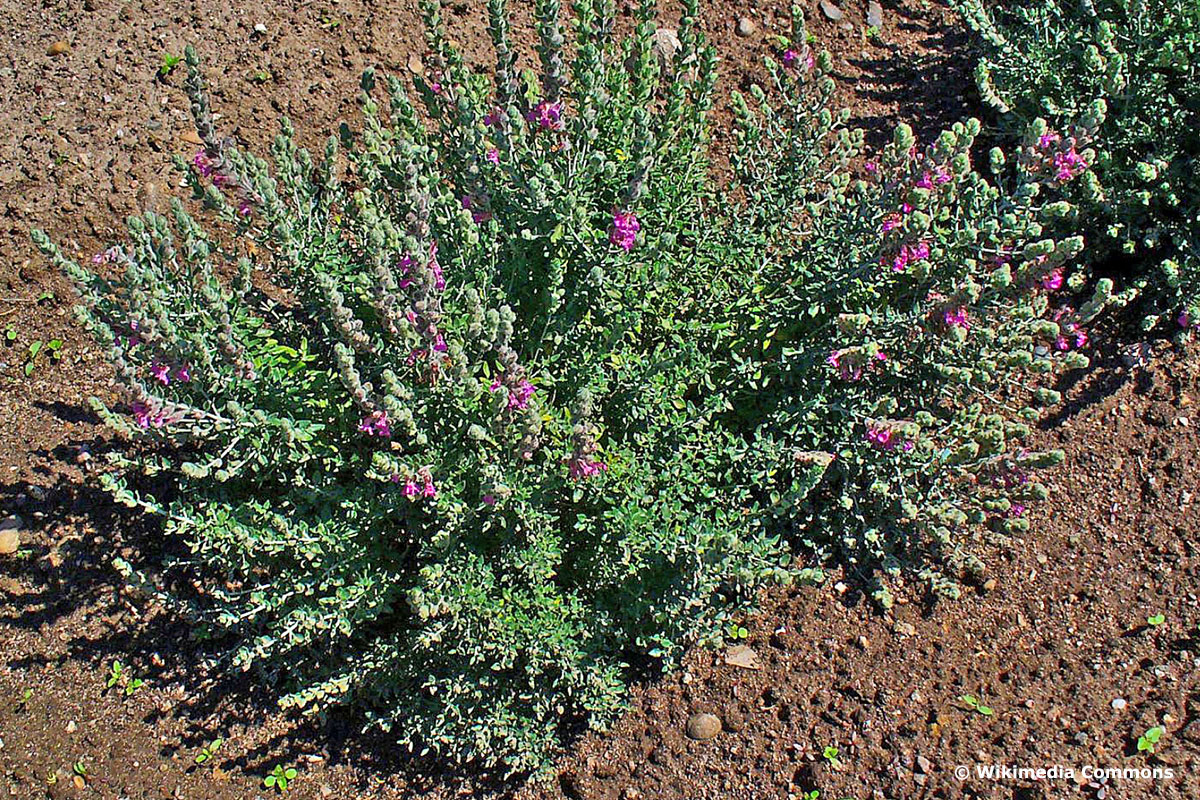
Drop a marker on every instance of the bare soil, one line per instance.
(1058, 646)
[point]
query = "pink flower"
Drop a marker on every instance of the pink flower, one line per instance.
(926, 181)
(942, 176)
(493, 155)
(376, 424)
(790, 56)
(881, 438)
(1053, 281)
(624, 230)
(890, 223)
(183, 373)
(956, 318)
(871, 167)
(547, 116)
(1184, 320)
(144, 416)
(489, 500)
(203, 163)
(410, 489)
(161, 372)
(585, 467)
(1047, 139)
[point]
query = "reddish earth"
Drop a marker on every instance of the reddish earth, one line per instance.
(1053, 646)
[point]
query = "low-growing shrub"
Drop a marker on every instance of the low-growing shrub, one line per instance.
(500, 401)
(1136, 65)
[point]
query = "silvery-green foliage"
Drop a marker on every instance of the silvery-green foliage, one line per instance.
(497, 399)
(1139, 62)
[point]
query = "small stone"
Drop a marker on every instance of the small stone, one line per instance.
(703, 726)
(742, 656)
(1119, 703)
(874, 15)
(989, 585)
(59, 48)
(905, 628)
(415, 65)
(924, 765)
(260, 29)
(840, 587)
(191, 137)
(831, 12)
(746, 27)
(72, 727)
(665, 44)
(733, 720)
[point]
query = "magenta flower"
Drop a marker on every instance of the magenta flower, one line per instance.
(161, 372)
(203, 163)
(624, 230)
(890, 223)
(582, 467)
(942, 176)
(1053, 281)
(145, 417)
(376, 424)
(881, 438)
(1184, 320)
(926, 181)
(183, 373)
(956, 318)
(493, 155)
(489, 500)
(790, 56)
(547, 116)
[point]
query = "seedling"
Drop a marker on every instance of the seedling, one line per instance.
(10, 334)
(813, 795)
(169, 62)
(831, 755)
(1156, 620)
(52, 350)
(80, 769)
(119, 676)
(972, 702)
(279, 778)
(736, 632)
(1149, 739)
(209, 750)
(262, 76)
(26, 696)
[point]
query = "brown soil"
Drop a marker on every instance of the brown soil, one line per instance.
(1050, 647)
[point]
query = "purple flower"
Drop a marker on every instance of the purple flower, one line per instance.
(493, 155)
(161, 372)
(1053, 281)
(547, 116)
(144, 416)
(489, 500)
(956, 318)
(582, 467)
(203, 163)
(376, 424)
(890, 223)
(624, 230)
(183, 373)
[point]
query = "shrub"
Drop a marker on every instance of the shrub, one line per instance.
(490, 407)
(1138, 62)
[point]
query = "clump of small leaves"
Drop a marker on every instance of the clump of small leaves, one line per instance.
(735, 632)
(1156, 620)
(168, 65)
(120, 678)
(1149, 740)
(830, 754)
(1136, 67)
(279, 778)
(542, 400)
(209, 750)
(972, 703)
